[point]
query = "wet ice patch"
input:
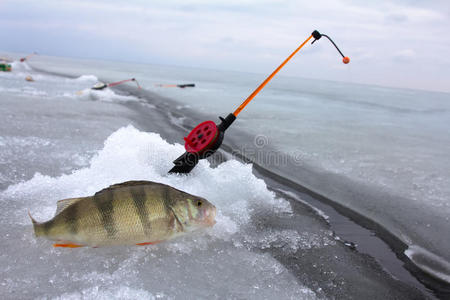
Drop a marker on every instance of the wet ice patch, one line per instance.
(227, 260)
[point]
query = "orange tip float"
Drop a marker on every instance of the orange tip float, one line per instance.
(207, 137)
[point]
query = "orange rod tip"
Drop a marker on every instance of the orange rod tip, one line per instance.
(262, 85)
(346, 60)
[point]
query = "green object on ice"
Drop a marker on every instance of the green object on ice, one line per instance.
(5, 67)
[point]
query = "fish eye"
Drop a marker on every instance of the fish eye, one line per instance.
(199, 203)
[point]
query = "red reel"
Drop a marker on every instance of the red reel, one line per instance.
(202, 137)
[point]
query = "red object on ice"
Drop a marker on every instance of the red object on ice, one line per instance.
(202, 137)
(346, 60)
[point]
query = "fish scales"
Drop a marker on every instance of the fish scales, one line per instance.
(139, 215)
(104, 203)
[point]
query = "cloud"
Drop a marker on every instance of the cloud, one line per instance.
(241, 35)
(405, 55)
(396, 18)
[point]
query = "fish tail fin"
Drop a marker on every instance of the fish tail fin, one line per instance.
(38, 231)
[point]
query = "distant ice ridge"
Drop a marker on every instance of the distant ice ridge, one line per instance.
(225, 261)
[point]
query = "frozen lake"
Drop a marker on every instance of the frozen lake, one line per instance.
(57, 142)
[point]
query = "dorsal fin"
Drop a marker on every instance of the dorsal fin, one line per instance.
(62, 204)
(127, 184)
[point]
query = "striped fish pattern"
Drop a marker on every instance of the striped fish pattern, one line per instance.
(133, 212)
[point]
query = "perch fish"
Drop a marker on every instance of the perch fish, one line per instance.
(133, 212)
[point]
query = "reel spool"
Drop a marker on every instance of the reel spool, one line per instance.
(200, 143)
(203, 137)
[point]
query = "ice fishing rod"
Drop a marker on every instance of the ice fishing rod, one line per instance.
(123, 81)
(27, 57)
(102, 85)
(181, 86)
(206, 137)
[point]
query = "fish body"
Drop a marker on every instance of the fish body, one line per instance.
(133, 212)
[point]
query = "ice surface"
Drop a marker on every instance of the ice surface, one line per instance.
(224, 261)
(48, 126)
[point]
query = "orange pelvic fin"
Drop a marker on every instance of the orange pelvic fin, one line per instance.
(68, 245)
(148, 243)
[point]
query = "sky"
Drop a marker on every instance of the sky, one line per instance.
(403, 43)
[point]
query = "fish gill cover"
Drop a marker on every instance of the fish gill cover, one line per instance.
(226, 260)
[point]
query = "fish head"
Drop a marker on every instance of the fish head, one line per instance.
(194, 213)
